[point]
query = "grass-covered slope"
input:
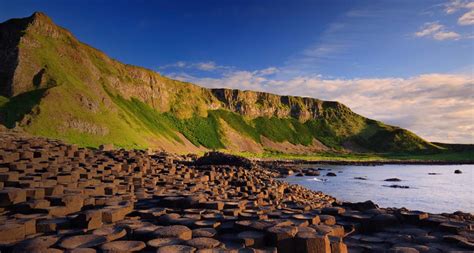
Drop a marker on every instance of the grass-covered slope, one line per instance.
(62, 88)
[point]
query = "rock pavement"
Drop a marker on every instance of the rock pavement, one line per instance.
(56, 197)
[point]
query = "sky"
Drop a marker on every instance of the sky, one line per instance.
(407, 63)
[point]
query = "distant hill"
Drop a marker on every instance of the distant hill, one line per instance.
(55, 86)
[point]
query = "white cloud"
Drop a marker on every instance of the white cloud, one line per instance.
(203, 66)
(436, 31)
(439, 107)
(446, 36)
(455, 5)
(207, 66)
(467, 18)
(428, 29)
(268, 71)
(178, 64)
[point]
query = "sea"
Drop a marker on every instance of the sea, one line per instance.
(428, 188)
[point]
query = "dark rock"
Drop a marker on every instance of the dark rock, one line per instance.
(282, 238)
(414, 216)
(403, 250)
(393, 179)
(253, 239)
(381, 222)
(218, 158)
(362, 206)
(331, 174)
(10, 196)
(335, 210)
(397, 186)
(457, 172)
(106, 147)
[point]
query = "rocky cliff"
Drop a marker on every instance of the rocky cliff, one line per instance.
(53, 85)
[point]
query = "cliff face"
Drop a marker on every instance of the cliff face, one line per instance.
(94, 98)
(10, 35)
(21, 73)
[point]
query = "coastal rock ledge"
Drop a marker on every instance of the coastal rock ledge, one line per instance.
(56, 197)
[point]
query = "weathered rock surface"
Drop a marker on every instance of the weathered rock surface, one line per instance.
(56, 197)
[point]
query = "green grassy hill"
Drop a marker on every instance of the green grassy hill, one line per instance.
(55, 86)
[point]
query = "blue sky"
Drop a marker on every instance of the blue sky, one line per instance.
(403, 53)
(331, 38)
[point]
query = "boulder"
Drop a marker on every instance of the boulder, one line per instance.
(219, 158)
(362, 206)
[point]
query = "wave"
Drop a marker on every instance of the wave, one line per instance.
(316, 179)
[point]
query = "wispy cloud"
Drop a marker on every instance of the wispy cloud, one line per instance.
(436, 31)
(455, 5)
(443, 35)
(203, 66)
(428, 29)
(439, 107)
(467, 18)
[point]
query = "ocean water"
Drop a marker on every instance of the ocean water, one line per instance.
(443, 192)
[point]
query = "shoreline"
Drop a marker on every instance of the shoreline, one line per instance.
(298, 162)
(57, 197)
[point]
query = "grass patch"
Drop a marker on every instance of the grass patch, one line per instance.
(199, 130)
(237, 122)
(286, 129)
(448, 156)
(151, 119)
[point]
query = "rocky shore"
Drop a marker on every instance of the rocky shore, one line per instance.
(56, 197)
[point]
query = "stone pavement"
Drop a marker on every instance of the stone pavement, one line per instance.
(56, 197)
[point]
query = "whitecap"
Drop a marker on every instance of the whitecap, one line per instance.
(317, 179)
